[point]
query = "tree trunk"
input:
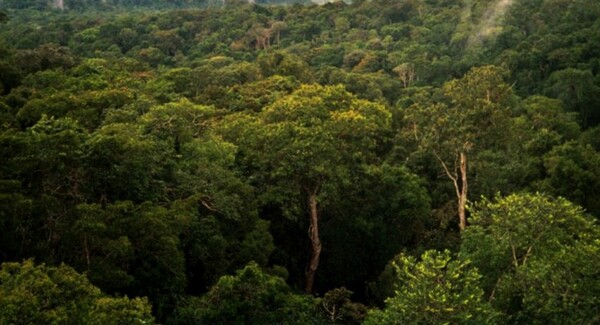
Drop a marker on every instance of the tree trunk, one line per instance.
(462, 197)
(86, 251)
(59, 4)
(460, 188)
(313, 234)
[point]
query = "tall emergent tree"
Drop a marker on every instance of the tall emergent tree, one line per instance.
(471, 117)
(305, 146)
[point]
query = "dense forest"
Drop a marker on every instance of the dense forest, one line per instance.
(225, 162)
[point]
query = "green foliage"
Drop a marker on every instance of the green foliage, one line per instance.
(434, 290)
(339, 308)
(251, 296)
(15, 213)
(10, 75)
(211, 219)
(480, 103)
(121, 311)
(32, 293)
(3, 17)
(579, 164)
(124, 246)
(253, 96)
(540, 125)
(158, 150)
(576, 88)
(334, 126)
(122, 164)
(538, 257)
(51, 156)
(549, 122)
(386, 207)
(470, 118)
(313, 136)
(313, 142)
(284, 64)
(472, 114)
(216, 243)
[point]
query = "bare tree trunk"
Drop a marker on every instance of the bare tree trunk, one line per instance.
(59, 4)
(462, 198)
(460, 189)
(87, 252)
(313, 233)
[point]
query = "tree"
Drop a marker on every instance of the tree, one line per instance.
(128, 248)
(40, 180)
(3, 17)
(434, 290)
(121, 163)
(255, 95)
(386, 208)
(284, 64)
(339, 308)
(51, 158)
(539, 257)
(305, 145)
(277, 27)
(10, 74)
(262, 36)
(578, 91)
(538, 125)
(218, 219)
(406, 73)
(40, 294)
(548, 123)
(251, 296)
(16, 218)
(580, 164)
(45, 56)
(473, 117)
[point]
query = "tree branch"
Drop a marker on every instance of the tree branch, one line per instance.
(527, 255)
(514, 254)
(452, 177)
(207, 205)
